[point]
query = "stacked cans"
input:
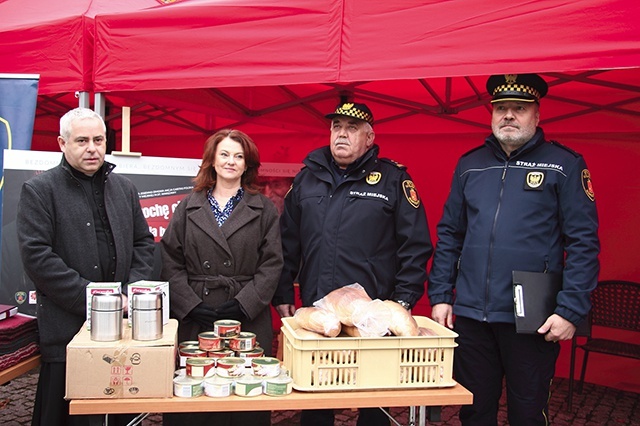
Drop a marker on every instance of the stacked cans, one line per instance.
(227, 361)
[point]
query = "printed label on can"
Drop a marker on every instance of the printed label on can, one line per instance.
(223, 353)
(230, 367)
(244, 341)
(190, 352)
(248, 386)
(200, 367)
(265, 367)
(278, 386)
(209, 341)
(187, 387)
(218, 387)
(226, 328)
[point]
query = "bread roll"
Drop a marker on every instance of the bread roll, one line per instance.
(344, 301)
(402, 323)
(351, 330)
(318, 320)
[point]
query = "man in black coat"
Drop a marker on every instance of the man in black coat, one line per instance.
(77, 223)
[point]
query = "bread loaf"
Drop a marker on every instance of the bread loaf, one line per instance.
(351, 331)
(344, 301)
(318, 320)
(402, 323)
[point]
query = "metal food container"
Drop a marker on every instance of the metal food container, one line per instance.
(146, 316)
(106, 317)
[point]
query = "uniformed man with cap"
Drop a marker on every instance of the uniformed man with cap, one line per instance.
(517, 203)
(352, 217)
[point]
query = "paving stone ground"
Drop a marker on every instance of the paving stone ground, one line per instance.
(596, 406)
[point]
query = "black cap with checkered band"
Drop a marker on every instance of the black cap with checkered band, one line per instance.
(350, 109)
(516, 87)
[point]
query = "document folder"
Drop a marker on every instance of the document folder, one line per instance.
(534, 297)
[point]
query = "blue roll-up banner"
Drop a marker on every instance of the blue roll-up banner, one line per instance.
(18, 97)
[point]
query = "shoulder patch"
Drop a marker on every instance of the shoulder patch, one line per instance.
(411, 193)
(566, 148)
(587, 185)
(394, 163)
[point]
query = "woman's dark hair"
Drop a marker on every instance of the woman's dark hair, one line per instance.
(206, 177)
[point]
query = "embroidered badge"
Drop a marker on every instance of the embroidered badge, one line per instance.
(411, 193)
(534, 181)
(587, 185)
(374, 177)
(20, 297)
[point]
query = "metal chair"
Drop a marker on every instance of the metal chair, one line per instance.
(616, 305)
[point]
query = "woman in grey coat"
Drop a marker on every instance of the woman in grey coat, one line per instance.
(222, 254)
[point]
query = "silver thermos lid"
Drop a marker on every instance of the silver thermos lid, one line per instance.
(146, 316)
(106, 317)
(147, 301)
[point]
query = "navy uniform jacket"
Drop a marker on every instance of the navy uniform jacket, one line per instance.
(369, 228)
(523, 212)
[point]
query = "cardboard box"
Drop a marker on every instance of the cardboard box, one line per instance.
(97, 287)
(148, 286)
(124, 368)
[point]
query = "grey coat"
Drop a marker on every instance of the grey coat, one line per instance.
(59, 248)
(207, 263)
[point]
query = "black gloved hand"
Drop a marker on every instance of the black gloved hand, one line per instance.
(231, 310)
(204, 315)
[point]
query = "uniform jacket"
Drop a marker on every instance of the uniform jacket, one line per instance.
(523, 212)
(204, 262)
(371, 228)
(59, 248)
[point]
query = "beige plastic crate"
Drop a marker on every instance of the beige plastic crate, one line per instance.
(353, 363)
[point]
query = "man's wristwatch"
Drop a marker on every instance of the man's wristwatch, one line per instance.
(404, 304)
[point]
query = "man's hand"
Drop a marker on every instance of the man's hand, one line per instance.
(285, 310)
(556, 328)
(442, 313)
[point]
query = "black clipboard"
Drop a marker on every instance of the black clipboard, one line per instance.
(534, 298)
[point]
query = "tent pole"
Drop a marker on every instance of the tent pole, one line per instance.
(83, 99)
(99, 104)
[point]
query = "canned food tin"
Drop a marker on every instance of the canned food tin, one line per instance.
(226, 328)
(249, 355)
(278, 386)
(248, 386)
(201, 367)
(218, 387)
(187, 387)
(230, 367)
(180, 372)
(190, 352)
(265, 367)
(187, 343)
(223, 353)
(209, 341)
(245, 341)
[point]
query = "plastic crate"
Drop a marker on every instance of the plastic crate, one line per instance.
(352, 363)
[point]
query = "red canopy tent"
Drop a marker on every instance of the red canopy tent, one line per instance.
(273, 69)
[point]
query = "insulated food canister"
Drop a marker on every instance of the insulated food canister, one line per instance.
(146, 316)
(106, 317)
